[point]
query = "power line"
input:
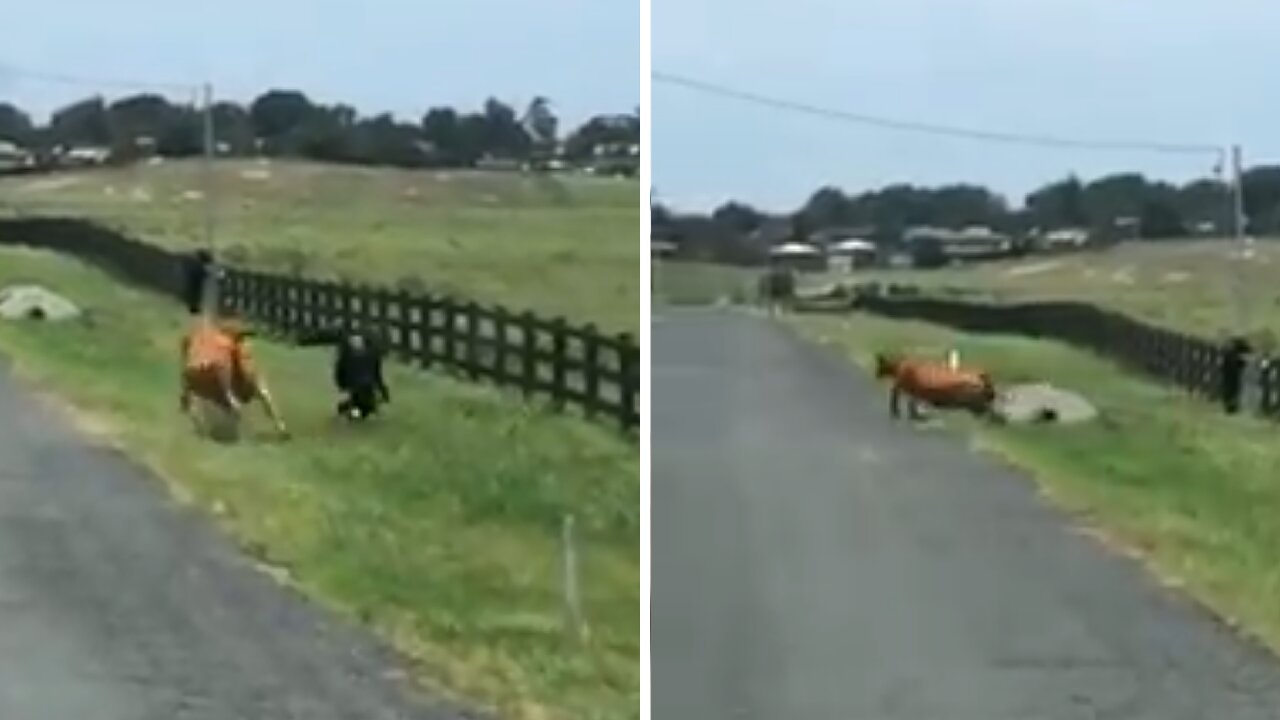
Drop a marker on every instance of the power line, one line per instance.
(929, 128)
(95, 82)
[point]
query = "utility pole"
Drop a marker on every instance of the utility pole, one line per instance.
(208, 165)
(209, 242)
(1240, 239)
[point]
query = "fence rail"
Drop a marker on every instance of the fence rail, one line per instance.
(571, 365)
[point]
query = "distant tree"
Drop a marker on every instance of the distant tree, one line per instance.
(233, 127)
(1206, 201)
(81, 123)
(504, 136)
(1160, 220)
(15, 125)
(442, 132)
(326, 134)
(601, 130)
(183, 135)
(660, 215)
(1261, 189)
(738, 217)
(277, 113)
(382, 140)
(541, 125)
(1060, 204)
(828, 207)
(287, 123)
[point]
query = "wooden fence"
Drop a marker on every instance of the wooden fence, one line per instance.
(1192, 363)
(570, 365)
(1184, 360)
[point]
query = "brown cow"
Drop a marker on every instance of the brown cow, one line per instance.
(937, 384)
(218, 367)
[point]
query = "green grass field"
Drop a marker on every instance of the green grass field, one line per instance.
(561, 245)
(1169, 478)
(438, 526)
(691, 283)
(1186, 285)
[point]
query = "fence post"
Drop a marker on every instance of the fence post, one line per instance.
(1251, 386)
(591, 400)
(575, 623)
(500, 333)
(629, 388)
(559, 362)
(450, 329)
(528, 353)
(426, 325)
(473, 317)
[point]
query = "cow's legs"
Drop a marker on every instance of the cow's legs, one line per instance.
(913, 408)
(894, 392)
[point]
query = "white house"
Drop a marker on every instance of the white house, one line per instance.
(852, 253)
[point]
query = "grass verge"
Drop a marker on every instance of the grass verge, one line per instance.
(1193, 492)
(438, 526)
(694, 283)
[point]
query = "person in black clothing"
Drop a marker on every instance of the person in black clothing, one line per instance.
(357, 371)
(1234, 359)
(196, 276)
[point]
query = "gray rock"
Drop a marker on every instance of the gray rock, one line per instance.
(1042, 402)
(21, 302)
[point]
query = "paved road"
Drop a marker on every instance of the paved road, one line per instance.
(813, 560)
(117, 605)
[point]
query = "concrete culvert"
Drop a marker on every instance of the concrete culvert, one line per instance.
(1042, 403)
(33, 302)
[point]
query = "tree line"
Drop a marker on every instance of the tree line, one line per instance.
(287, 123)
(1117, 206)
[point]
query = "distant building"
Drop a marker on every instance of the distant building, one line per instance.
(971, 243)
(498, 164)
(12, 156)
(615, 159)
(662, 248)
(1064, 239)
(84, 156)
(798, 256)
(851, 254)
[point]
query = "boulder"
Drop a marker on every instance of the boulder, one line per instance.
(22, 302)
(1042, 402)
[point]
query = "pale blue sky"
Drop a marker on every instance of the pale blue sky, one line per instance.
(393, 55)
(1158, 70)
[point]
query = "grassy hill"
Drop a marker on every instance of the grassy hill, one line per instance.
(1189, 285)
(558, 245)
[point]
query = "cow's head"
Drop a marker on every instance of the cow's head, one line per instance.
(886, 364)
(235, 329)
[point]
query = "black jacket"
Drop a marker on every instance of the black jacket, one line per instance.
(353, 370)
(195, 275)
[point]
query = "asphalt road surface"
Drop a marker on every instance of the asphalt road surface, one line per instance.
(116, 604)
(814, 560)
